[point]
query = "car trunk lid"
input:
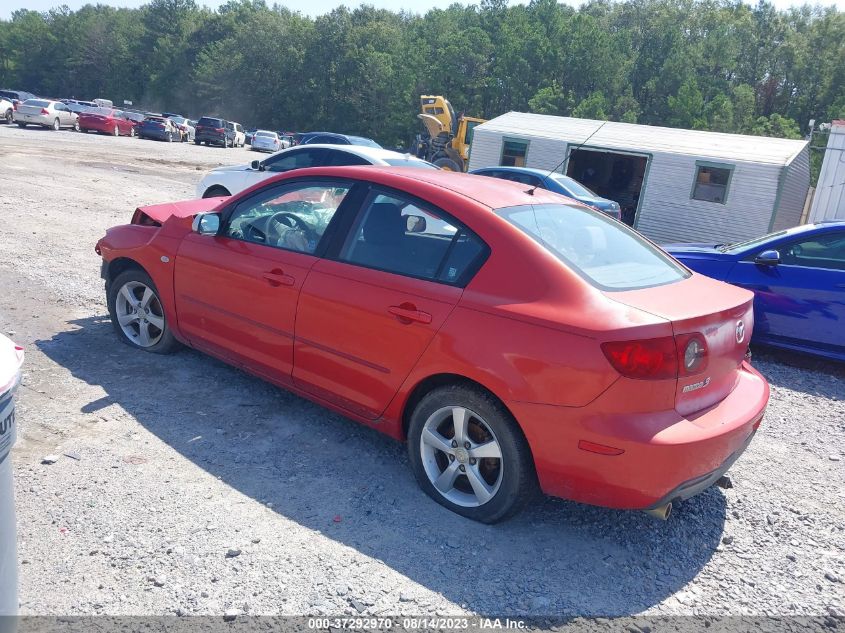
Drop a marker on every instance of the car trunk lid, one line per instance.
(709, 311)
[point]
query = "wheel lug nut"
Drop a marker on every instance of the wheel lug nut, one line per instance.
(451, 458)
(472, 460)
(463, 468)
(454, 444)
(466, 445)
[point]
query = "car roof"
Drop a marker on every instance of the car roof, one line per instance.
(517, 170)
(490, 192)
(364, 151)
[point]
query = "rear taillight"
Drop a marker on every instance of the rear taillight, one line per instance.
(219, 129)
(692, 353)
(45, 111)
(647, 359)
(658, 358)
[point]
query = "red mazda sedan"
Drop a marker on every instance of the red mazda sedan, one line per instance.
(513, 337)
(106, 121)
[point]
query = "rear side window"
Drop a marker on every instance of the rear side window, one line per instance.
(403, 236)
(339, 159)
(608, 255)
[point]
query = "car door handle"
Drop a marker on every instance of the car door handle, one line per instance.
(408, 313)
(277, 277)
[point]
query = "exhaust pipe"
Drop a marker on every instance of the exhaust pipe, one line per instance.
(660, 512)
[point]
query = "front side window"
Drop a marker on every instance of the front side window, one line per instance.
(292, 216)
(514, 153)
(822, 251)
(406, 237)
(608, 255)
(297, 159)
(711, 182)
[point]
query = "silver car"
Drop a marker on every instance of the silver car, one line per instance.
(266, 141)
(49, 114)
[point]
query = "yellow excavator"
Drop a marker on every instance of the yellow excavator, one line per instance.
(447, 137)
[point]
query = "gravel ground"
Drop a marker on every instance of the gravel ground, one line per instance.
(185, 486)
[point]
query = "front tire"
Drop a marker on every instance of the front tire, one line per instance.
(447, 164)
(131, 132)
(76, 126)
(116, 131)
(8, 116)
(137, 313)
(216, 192)
(469, 455)
(21, 125)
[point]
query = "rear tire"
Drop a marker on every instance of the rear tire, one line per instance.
(56, 125)
(137, 313)
(116, 131)
(76, 126)
(131, 132)
(170, 137)
(8, 116)
(487, 473)
(196, 142)
(21, 125)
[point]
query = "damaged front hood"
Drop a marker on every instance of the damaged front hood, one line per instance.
(185, 209)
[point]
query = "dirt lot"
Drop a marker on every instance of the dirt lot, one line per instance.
(169, 466)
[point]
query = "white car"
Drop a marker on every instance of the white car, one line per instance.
(227, 181)
(46, 113)
(266, 141)
(240, 134)
(7, 109)
(11, 358)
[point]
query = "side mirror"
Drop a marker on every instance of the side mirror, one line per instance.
(415, 224)
(256, 165)
(768, 258)
(206, 223)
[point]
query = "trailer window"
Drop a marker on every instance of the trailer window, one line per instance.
(711, 182)
(514, 153)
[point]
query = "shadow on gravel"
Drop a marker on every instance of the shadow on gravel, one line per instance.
(556, 558)
(819, 377)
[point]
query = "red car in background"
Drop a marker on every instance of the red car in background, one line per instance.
(515, 339)
(106, 121)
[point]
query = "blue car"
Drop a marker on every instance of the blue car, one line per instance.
(798, 280)
(564, 185)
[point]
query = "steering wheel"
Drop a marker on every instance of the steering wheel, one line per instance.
(293, 222)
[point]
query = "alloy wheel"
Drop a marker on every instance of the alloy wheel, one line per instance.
(139, 314)
(461, 456)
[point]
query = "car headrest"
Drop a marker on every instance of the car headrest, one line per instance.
(384, 224)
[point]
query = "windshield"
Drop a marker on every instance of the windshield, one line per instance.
(360, 140)
(741, 246)
(608, 255)
(410, 161)
(574, 187)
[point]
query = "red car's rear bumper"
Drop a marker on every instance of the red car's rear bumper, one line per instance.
(665, 456)
(99, 126)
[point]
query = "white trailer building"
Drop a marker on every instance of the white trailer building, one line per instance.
(829, 199)
(673, 185)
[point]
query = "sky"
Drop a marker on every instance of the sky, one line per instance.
(312, 7)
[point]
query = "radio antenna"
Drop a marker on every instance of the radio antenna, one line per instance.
(531, 191)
